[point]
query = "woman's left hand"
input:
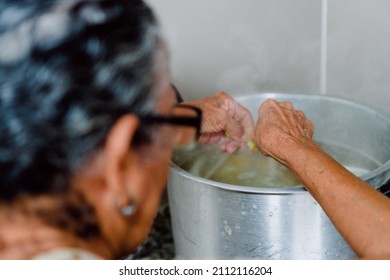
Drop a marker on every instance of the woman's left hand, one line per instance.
(222, 116)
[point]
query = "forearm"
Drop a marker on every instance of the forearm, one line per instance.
(359, 212)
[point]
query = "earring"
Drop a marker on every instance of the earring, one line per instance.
(128, 208)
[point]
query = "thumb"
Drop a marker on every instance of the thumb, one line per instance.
(234, 128)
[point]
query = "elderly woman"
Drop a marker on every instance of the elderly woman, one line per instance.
(88, 121)
(359, 212)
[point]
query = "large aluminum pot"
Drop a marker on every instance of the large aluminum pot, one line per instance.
(213, 220)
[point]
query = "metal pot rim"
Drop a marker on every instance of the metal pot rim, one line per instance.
(288, 96)
(237, 188)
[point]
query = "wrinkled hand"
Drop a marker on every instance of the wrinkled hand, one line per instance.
(281, 128)
(221, 114)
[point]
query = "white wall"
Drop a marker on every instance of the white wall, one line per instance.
(274, 46)
(359, 51)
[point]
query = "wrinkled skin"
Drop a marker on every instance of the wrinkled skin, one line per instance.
(278, 126)
(221, 115)
(359, 212)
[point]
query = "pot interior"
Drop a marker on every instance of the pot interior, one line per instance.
(355, 135)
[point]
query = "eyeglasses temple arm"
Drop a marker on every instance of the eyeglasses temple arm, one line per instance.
(179, 98)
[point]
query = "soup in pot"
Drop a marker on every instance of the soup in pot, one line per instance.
(253, 169)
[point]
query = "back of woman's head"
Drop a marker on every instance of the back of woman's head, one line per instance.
(68, 70)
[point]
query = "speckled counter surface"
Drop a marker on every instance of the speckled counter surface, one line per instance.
(159, 244)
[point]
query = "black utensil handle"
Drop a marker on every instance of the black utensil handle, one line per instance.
(385, 189)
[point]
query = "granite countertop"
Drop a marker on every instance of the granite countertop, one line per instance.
(159, 243)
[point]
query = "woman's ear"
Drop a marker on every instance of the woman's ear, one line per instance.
(116, 150)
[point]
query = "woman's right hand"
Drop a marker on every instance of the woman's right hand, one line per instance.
(223, 116)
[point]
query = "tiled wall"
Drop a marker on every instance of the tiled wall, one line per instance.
(359, 51)
(251, 46)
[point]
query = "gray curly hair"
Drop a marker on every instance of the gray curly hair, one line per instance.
(68, 71)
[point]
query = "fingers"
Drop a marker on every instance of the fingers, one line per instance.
(286, 104)
(286, 117)
(276, 120)
(229, 145)
(240, 122)
(279, 127)
(221, 113)
(211, 138)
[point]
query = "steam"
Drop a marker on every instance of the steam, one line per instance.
(265, 67)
